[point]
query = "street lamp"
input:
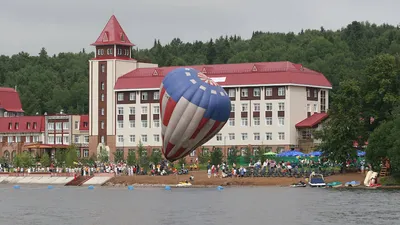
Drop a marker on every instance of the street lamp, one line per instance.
(226, 152)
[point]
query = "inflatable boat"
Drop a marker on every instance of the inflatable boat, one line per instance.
(316, 180)
(352, 183)
(300, 184)
(184, 184)
(334, 184)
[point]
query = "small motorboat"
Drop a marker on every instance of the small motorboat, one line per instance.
(352, 183)
(299, 184)
(334, 184)
(316, 180)
(184, 184)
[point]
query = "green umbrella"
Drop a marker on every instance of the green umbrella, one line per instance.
(270, 153)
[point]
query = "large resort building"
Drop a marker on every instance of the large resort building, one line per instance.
(275, 105)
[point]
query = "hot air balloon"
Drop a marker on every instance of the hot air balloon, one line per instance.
(193, 110)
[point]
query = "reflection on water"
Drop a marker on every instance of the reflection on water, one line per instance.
(149, 206)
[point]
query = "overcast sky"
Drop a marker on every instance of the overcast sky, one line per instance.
(70, 25)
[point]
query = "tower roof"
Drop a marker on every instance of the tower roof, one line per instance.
(113, 34)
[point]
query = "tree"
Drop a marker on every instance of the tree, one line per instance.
(344, 124)
(118, 156)
(247, 155)
(24, 160)
(216, 156)
(204, 156)
(45, 160)
(233, 155)
(156, 156)
(103, 155)
(60, 158)
(143, 155)
(259, 154)
(71, 156)
(131, 160)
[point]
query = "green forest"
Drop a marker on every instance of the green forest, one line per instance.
(361, 60)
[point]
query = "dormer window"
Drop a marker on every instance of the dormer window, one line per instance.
(100, 51)
(127, 52)
(10, 126)
(109, 51)
(34, 125)
(16, 126)
(28, 125)
(119, 51)
(85, 124)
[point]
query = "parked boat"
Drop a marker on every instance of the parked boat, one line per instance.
(184, 184)
(299, 184)
(334, 184)
(316, 180)
(352, 183)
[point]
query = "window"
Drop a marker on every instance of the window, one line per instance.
(132, 138)
(87, 139)
(120, 124)
(102, 111)
(120, 97)
(268, 136)
(120, 110)
(10, 139)
(18, 139)
(27, 139)
(58, 126)
(308, 93)
(65, 126)
(76, 125)
(244, 122)
(268, 121)
(16, 126)
(256, 92)
(256, 107)
(120, 138)
(156, 137)
(156, 109)
(156, 95)
(76, 139)
(244, 92)
(268, 106)
(232, 93)
(244, 136)
(145, 96)
(102, 124)
(231, 136)
(144, 109)
(193, 153)
(102, 86)
(66, 140)
(315, 108)
(231, 122)
(34, 125)
(308, 108)
(281, 121)
(256, 136)
(268, 92)
(131, 123)
(50, 126)
(315, 93)
(103, 67)
(219, 137)
(323, 101)
(144, 138)
(132, 110)
(281, 136)
(119, 51)
(28, 125)
(132, 96)
(102, 139)
(58, 140)
(232, 107)
(245, 107)
(281, 106)
(256, 121)
(281, 91)
(35, 139)
(109, 51)
(144, 123)
(102, 97)
(156, 123)
(78, 153)
(86, 153)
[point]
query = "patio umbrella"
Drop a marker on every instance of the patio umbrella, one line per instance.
(315, 154)
(270, 153)
(360, 153)
(294, 153)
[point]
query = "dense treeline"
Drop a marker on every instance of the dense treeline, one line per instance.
(361, 60)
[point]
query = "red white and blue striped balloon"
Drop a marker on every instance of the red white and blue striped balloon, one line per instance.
(193, 110)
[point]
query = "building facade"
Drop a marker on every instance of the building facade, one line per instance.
(268, 99)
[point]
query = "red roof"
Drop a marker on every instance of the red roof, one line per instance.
(113, 34)
(22, 124)
(9, 100)
(275, 73)
(313, 120)
(84, 122)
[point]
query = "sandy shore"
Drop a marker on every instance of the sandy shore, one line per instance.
(201, 180)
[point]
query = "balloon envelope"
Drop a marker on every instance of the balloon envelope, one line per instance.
(193, 110)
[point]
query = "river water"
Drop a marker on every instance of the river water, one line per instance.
(234, 205)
